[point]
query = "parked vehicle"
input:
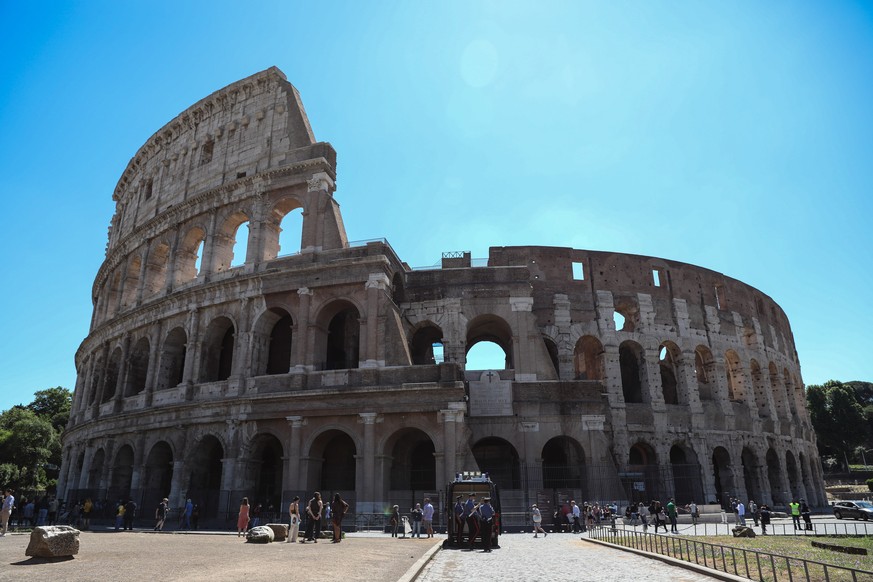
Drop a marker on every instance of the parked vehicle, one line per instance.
(854, 509)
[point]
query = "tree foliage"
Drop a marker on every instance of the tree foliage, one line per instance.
(839, 417)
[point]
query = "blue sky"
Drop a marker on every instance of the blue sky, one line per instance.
(736, 136)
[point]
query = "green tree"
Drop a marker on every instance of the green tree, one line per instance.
(53, 404)
(838, 418)
(27, 442)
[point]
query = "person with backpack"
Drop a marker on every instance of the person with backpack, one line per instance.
(161, 514)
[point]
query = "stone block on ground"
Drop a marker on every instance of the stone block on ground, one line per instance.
(280, 531)
(260, 535)
(54, 541)
(742, 531)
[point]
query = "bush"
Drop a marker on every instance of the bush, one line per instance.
(870, 484)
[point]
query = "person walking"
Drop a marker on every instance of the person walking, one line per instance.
(338, 510)
(765, 518)
(161, 514)
(695, 512)
(314, 509)
(537, 519)
(575, 514)
(294, 519)
(427, 517)
(242, 520)
(673, 515)
(643, 512)
(6, 511)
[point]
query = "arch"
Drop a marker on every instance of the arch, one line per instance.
(643, 468)
(588, 358)
(669, 359)
(272, 338)
(95, 472)
(552, 350)
(340, 320)
(158, 476)
(267, 466)
(626, 314)
(427, 337)
(751, 474)
(332, 462)
(413, 464)
(138, 367)
(218, 346)
(173, 354)
(226, 249)
(760, 389)
(687, 484)
(131, 281)
(188, 255)
(122, 474)
(156, 269)
(632, 361)
(283, 232)
(204, 481)
(774, 474)
(735, 377)
(563, 464)
(499, 459)
(791, 472)
(96, 377)
(704, 371)
(113, 369)
(723, 476)
(491, 328)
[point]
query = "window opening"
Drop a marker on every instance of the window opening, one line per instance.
(240, 246)
(486, 355)
(438, 354)
(206, 152)
(656, 277)
(148, 188)
(578, 272)
(198, 252)
(619, 320)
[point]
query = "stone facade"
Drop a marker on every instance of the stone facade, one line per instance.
(214, 376)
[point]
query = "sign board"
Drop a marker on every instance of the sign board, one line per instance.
(490, 396)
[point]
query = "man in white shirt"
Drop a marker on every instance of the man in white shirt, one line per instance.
(577, 514)
(741, 513)
(6, 511)
(427, 517)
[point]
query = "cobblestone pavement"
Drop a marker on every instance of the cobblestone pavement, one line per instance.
(554, 558)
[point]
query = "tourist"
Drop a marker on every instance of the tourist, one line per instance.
(119, 515)
(395, 520)
(313, 518)
(242, 521)
(486, 517)
(187, 513)
(643, 512)
(695, 512)
(327, 517)
(416, 520)
(161, 514)
(28, 513)
(806, 514)
(537, 519)
(294, 519)
(754, 511)
(338, 510)
(575, 514)
(673, 515)
(427, 517)
(765, 519)
(75, 515)
(6, 511)
(741, 513)
(129, 514)
(87, 508)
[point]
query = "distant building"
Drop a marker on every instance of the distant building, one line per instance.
(212, 373)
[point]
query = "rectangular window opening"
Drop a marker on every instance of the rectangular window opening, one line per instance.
(578, 272)
(720, 299)
(148, 189)
(656, 277)
(206, 152)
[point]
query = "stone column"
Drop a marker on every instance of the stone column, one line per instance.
(242, 351)
(563, 323)
(170, 280)
(143, 270)
(193, 349)
(124, 370)
(376, 284)
(86, 466)
(292, 473)
(207, 262)
(368, 495)
(523, 358)
(154, 363)
(304, 356)
(177, 495)
(653, 379)
(453, 421)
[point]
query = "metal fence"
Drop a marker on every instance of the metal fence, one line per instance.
(777, 529)
(752, 564)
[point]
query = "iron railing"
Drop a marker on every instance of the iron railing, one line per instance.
(777, 529)
(752, 564)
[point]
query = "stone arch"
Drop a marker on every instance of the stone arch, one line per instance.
(413, 461)
(563, 464)
(643, 468)
(632, 360)
(735, 377)
(173, 354)
(157, 265)
(95, 472)
(687, 483)
(272, 337)
(266, 469)
(588, 358)
(791, 472)
(284, 225)
(751, 475)
(704, 371)
(138, 367)
(113, 369)
(158, 476)
(225, 241)
(188, 254)
(774, 474)
(131, 281)
(204, 480)
(332, 462)
(723, 476)
(494, 329)
(760, 389)
(500, 460)
(122, 474)
(218, 347)
(421, 348)
(338, 335)
(669, 362)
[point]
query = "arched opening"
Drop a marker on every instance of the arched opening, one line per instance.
(333, 453)
(111, 295)
(496, 335)
(272, 337)
(138, 367)
(626, 314)
(95, 472)
(751, 471)
(793, 483)
(240, 245)
(218, 347)
(723, 476)
(426, 345)
(588, 358)
(158, 474)
(564, 465)
(760, 389)
(789, 392)
(632, 363)
(96, 378)
(735, 377)
(230, 244)
(704, 370)
(687, 485)
(398, 290)
(283, 232)
(204, 483)
(499, 459)
(156, 269)
(122, 474)
(113, 369)
(172, 359)
(552, 350)
(279, 358)
(774, 474)
(131, 281)
(642, 481)
(413, 465)
(267, 465)
(668, 363)
(188, 255)
(341, 319)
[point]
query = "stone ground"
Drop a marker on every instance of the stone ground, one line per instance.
(555, 558)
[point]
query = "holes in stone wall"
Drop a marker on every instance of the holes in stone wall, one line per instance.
(206, 152)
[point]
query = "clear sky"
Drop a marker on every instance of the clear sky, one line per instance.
(733, 135)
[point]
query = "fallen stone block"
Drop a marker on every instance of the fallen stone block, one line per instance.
(742, 531)
(260, 535)
(53, 541)
(280, 531)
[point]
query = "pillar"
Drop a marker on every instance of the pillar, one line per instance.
(292, 480)
(368, 494)
(303, 357)
(377, 284)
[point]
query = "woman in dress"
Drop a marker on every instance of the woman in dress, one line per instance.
(537, 518)
(294, 515)
(337, 510)
(242, 523)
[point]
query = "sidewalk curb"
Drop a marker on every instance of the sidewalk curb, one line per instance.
(673, 562)
(417, 567)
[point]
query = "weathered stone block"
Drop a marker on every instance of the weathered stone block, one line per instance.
(743, 532)
(260, 535)
(55, 541)
(280, 531)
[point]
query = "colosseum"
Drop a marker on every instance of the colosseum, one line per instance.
(220, 363)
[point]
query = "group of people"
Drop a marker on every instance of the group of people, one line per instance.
(46, 510)
(315, 512)
(479, 519)
(421, 518)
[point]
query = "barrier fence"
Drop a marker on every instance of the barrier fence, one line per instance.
(752, 564)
